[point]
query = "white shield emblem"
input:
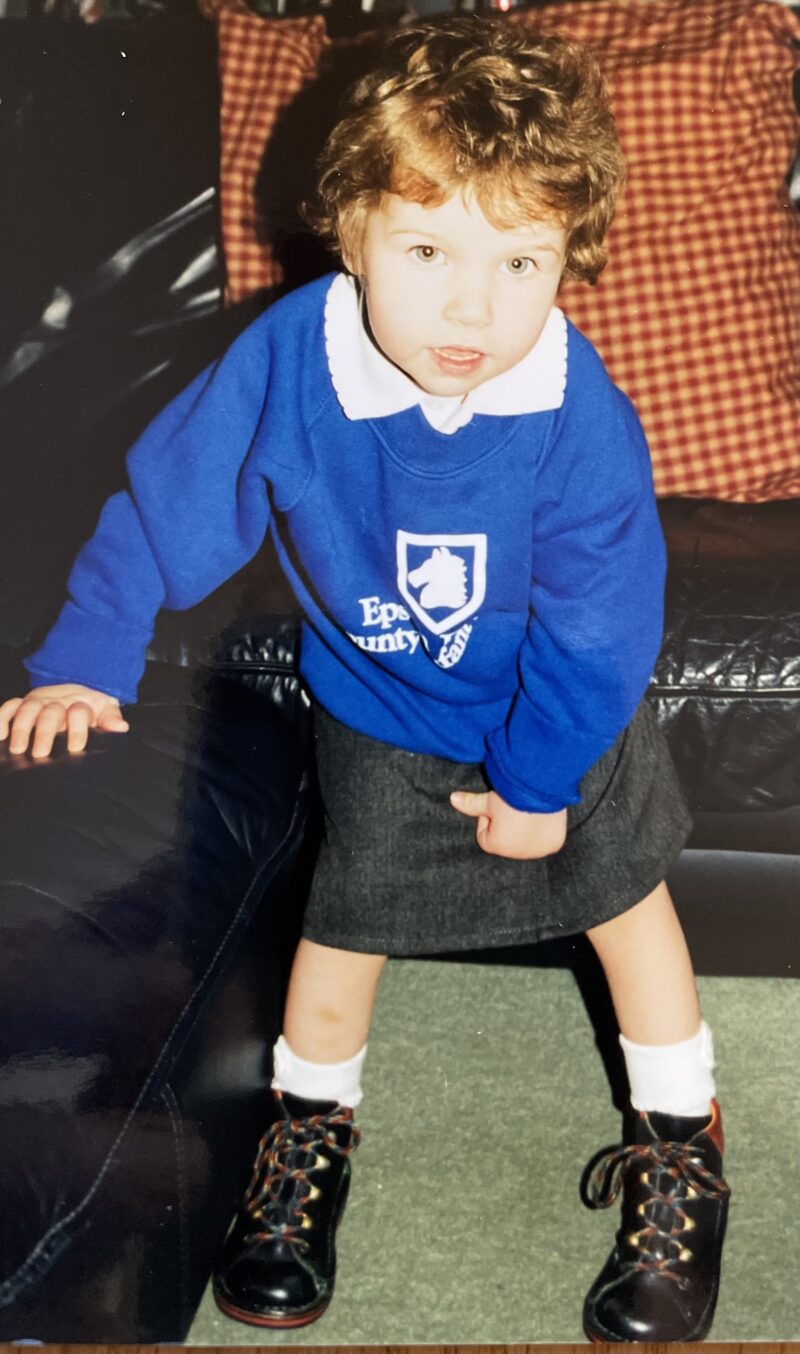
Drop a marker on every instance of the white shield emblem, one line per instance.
(442, 578)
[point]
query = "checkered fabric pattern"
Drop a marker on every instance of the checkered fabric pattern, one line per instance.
(696, 315)
(264, 64)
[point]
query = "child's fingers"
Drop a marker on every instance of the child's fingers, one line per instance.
(113, 720)
(472, 805)
(51, 720)
(25, 718)
(7, 712)
(35, 721)
(482, 833)
(475, 806)
(79, 717)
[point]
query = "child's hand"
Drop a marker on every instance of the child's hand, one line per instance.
(49, 710)
(503, 831)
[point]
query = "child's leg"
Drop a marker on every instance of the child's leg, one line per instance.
(328, 1012)
(279, 1260)
(330, 1001)
(649, 972)
(661, 1280)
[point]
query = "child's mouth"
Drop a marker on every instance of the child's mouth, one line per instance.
(457, 361)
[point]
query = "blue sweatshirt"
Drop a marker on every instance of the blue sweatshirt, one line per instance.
(490, 595)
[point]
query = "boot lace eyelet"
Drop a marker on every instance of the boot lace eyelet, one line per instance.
(281, 1186)
(656, 1242)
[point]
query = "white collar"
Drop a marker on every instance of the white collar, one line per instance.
(369, 386)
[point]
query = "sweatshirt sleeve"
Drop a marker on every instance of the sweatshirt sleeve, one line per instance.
(194, 512)
(596, 607)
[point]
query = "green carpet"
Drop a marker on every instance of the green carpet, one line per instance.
(485, 1096)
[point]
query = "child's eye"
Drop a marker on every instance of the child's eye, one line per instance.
(427, 253)
(520, 267)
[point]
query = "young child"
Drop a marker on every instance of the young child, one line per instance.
(463, 503)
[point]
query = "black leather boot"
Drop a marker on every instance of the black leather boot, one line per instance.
(661, 1280)
(279, 1258)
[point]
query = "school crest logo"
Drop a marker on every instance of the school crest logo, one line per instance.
(442, 578)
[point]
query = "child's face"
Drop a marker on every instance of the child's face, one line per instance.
(452, 300)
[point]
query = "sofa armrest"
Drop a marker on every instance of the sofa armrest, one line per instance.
(136, 1017)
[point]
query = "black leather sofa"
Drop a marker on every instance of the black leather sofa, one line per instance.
(151, 888)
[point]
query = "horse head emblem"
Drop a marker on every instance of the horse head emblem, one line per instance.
(441, 574)
(443, 579)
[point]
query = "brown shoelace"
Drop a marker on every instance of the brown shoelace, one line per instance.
(679, 1161)
(280, 1186)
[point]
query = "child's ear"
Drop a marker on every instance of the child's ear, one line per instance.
(350, 248)
(351, 261)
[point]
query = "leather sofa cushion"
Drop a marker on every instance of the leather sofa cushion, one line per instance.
(727, 682)
(129, 877)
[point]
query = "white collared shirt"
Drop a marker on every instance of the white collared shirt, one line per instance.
(368, 385)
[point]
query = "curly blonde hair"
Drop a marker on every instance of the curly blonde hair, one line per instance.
(523, 121)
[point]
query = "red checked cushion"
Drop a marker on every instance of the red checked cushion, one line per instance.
(696, 314)
(264, 64)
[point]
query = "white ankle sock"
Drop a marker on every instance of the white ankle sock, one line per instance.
(672, 1078)
(318, 1081)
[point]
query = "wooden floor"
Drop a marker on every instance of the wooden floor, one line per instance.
(710, 1347)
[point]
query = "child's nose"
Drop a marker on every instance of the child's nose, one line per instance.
(470, 305)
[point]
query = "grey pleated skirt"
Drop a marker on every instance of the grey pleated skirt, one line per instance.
(400, 872)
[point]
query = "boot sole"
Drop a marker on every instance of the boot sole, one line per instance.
(271, 1322)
